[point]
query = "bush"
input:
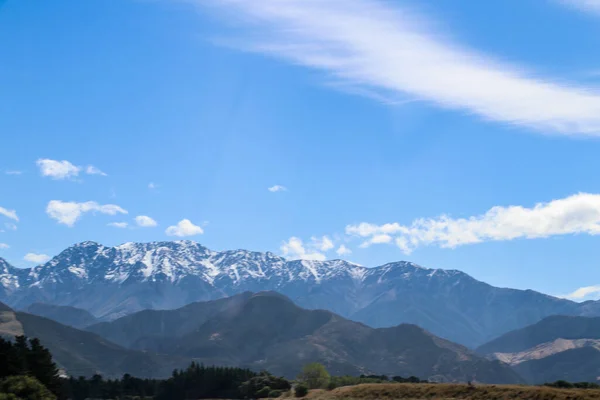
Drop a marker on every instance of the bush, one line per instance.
(301, 391)
(264, 392)
(25, 387)
(261, 385)
(274, 394)
(332, 385)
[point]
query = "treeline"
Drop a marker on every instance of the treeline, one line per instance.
(195, 382)
(28, 372)
(573, 385)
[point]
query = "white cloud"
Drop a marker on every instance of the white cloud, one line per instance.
(57, 169)
(145, 221)
(4, 246)
(277, 188)
(152, 185)
(294, 249)
(10, 226)
(12, 214)
(391, 52)
(121, 225)
(322, 243)
(185, 227)
(579, 213)
(584, 5)
(64, 169)
(13, 172)
(91, 170)
(343, 251)
(68, 212)
(36, 258)
(584, 293)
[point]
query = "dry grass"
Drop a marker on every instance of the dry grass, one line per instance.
(9, 326)
(450, 391)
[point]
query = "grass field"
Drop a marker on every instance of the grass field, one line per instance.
(451, 391)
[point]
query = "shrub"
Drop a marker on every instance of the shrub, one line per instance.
(264, 392)
(25, 387)
(301, 391)
(274, 394)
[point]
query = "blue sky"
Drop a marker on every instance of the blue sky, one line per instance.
(455, 134)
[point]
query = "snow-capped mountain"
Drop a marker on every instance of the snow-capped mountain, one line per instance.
(113, 281)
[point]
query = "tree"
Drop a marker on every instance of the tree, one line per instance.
(40, 365)
(315, 376)
(26, 388)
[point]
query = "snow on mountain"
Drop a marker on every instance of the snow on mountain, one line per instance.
(111, 282)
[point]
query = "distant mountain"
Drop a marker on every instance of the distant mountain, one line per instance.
(558, 347)
(135, 329)
(84, 353)
(547, 330)
(575, 365)
(268, 331)
(111, 282)
(66, 315)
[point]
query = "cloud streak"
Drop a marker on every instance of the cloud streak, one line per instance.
(386, 50)
(592, 6)
(36, 258)
(577, 214)
(12, 214)
(69, 212)
(584, 293)
(60, 170)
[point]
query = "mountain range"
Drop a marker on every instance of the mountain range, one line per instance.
(260, 331)
(111, 282)
(268, 331)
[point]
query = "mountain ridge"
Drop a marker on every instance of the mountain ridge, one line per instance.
(111, 282)
(267, 330)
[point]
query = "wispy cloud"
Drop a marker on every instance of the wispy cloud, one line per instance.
(64, 169)
(13, 172)
(121, 225)
(584, 293)
(577, 214)
(4, 246)
(185, 227)
(12, 214)
(69, 212)
(91, 170)
(277, 188)
(386, 49)
(152, 186)
(295, 249)
(584, 5)
(36, 258)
